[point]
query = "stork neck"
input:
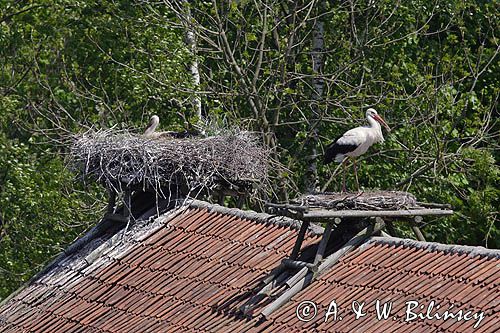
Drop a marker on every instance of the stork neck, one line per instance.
(373, 123)
(151, 128)
(376, 128)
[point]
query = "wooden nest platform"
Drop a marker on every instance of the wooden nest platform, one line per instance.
(372, 200)
(329, 206)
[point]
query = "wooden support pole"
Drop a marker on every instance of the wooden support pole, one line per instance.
(300, 240)
(391, 229)
(262, 293)
(241, 200)
(352, 244)
(322, 244)
(416, 230)
(323, 267)
(297, 277)
(296, 264)
(111, 201)
(220, 199)
(274, 273)
(127, 204)
(127, 208)
(384, 234)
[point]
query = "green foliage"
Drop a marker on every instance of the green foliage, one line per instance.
(39, 215)
(430, 68)
(65, 65)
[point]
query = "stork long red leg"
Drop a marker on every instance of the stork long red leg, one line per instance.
(355, 173)
(343, 175)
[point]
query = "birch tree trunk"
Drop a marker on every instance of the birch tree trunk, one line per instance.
(190, 39)
(311, 174)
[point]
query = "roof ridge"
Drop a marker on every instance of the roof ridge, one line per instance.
(471, 251)
(255, 216)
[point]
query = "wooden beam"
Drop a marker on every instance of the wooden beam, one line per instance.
(111, 201)
(331, 214)
(322, 244)
(220, 199)
(391, 229)
(300, 240)
(241, 200)
(248, 307)
(297, 277)
(351, 245)
(416, 230)
(127, 209)
(274, 273)
(287, 206)
(384, 234)
(325, 265)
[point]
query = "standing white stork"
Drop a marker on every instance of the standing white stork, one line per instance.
(356, 142)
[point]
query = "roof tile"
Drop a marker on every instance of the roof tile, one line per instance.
(194, 272)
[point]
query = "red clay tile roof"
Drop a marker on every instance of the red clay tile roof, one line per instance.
(399, 272)
(191, 270)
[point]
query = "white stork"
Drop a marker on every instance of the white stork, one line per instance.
(150, 131)
(153, 123)
(356, 142)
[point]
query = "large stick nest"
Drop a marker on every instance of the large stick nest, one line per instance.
(372, 200)
(118, 159)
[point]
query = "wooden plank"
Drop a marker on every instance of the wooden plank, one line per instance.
(325, 265)
(416, 230)
(331, 214)
(391, 229)
(287, 206)
(300, 240)
(111, 201)
(322, 244)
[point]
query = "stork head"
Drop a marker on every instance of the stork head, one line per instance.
(372, 113)
(153, 123)
(155, 120)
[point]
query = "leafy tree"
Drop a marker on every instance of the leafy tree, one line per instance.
(429, 66)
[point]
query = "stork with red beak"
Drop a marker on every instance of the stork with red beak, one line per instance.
(356, 142)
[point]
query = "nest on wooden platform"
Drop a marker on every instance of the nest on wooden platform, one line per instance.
(373, 200)
(121, 159)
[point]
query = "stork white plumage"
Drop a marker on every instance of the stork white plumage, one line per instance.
(150, 131)
(356, 142)
(153, 123)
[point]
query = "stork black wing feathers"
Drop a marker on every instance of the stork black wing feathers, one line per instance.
(334, 149)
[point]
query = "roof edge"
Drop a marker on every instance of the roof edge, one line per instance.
(254, 216)
(96, 231)
(472, 251)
